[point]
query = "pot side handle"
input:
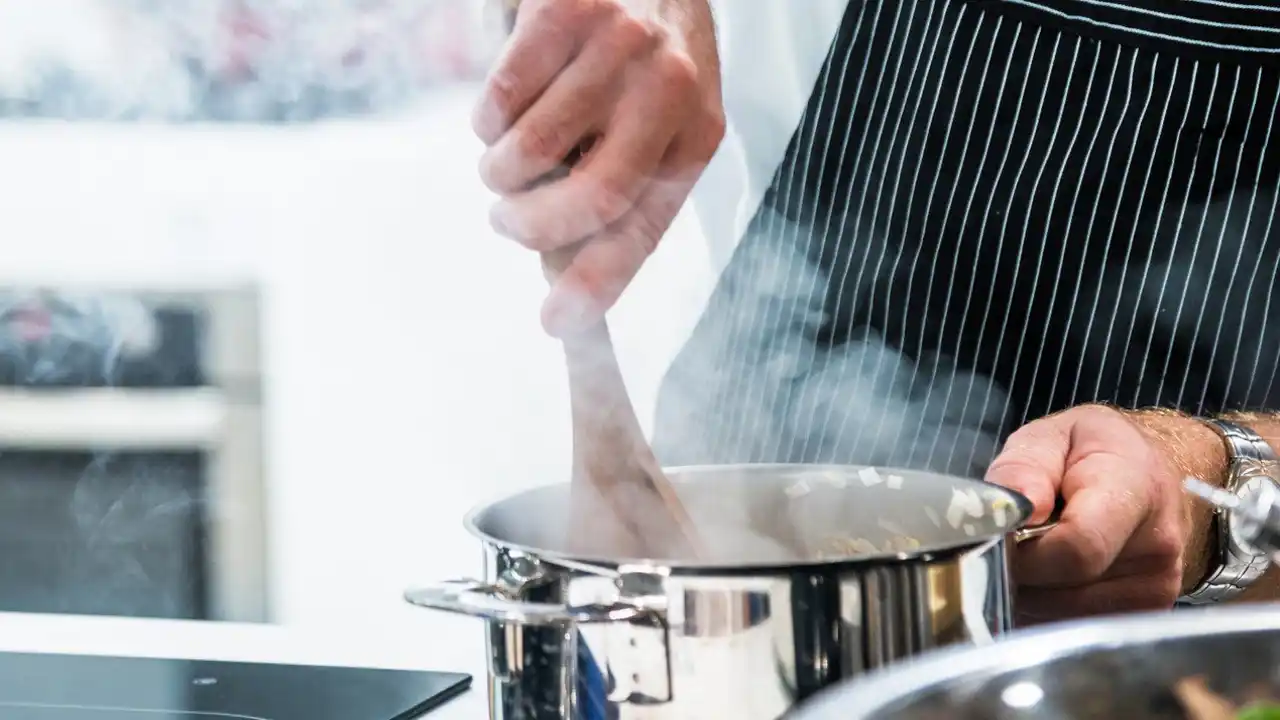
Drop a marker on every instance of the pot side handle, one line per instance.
(1022, 535)
(487, 601)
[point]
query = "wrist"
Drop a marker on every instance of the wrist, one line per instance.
(1189, 447)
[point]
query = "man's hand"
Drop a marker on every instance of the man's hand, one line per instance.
(639, 81)
(1129, 539)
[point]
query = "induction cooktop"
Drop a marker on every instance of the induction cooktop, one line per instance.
(79, 687)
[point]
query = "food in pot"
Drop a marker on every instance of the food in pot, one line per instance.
(1202, 703)
(847, 547)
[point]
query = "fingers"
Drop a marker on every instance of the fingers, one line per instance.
(576, 104)
(1119, 543)
(1102, 513)
(1033, 461)
(546, 36)
(1107, 498)
(1105, 480)
(605, 187)
(595, 277)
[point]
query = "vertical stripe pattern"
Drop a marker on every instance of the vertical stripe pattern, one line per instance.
(989, 212)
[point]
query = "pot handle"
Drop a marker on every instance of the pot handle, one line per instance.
(487, 601)
(1022, 535)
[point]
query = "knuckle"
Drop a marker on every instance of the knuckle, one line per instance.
(1094, 412)
(703, 141)
(676, 70)
(606, 8)
(1028, 435)
(715, 125)
(632, 35)
(1090, 549)
(561, 15)
(503, 90)
(540, 141)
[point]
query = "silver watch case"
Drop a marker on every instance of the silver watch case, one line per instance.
(1253, 463)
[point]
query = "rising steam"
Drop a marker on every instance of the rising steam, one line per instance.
(757, 383)
(120, 518)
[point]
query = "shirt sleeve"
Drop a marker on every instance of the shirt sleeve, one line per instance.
(771, 53)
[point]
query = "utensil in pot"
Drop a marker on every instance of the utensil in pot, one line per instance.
(620, 488)
(771, 614)
(1103, 669)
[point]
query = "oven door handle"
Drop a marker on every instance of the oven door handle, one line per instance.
(115, 418)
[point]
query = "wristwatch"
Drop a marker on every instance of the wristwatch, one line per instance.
(1235, 564)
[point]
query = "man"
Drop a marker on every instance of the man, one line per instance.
(1039, 227)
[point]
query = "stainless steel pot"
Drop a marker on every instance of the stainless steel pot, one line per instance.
(813, 575)
(1111, 669)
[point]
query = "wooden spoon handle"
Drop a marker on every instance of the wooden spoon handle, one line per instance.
(614, 468)
(611, 456)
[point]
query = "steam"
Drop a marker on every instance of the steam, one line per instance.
(125, 518)
(70, 339)
(133, 516)
(759, 383)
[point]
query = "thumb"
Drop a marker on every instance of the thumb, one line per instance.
(1033, 462)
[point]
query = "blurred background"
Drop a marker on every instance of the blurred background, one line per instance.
(259, 351)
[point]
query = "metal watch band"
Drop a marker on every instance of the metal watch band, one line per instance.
(1236, 567)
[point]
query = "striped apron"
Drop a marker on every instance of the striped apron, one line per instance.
(992, 211)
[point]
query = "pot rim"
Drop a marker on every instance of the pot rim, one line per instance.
(885, 689)
(929, 554)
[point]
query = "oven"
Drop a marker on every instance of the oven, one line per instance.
(131, 453)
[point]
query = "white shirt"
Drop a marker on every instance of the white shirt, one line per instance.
(771, 52)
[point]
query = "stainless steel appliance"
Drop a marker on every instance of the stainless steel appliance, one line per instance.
(814, 575)
(1108, 669)
(131, 479)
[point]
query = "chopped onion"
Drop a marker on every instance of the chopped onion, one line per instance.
(799, 489)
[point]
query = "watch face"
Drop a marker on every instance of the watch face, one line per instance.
(1258, 497)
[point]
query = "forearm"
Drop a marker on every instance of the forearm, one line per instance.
(1196, 450)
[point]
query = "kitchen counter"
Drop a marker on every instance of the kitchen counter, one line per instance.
(419, 641)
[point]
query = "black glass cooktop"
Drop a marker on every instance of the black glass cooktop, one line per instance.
(77, 687)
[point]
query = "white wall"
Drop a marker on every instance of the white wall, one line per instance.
(407, 376)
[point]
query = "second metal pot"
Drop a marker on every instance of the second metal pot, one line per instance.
(815, 575)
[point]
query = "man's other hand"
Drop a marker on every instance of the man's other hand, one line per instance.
(1129, 538)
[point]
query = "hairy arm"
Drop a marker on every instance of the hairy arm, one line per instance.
(1199, 451)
